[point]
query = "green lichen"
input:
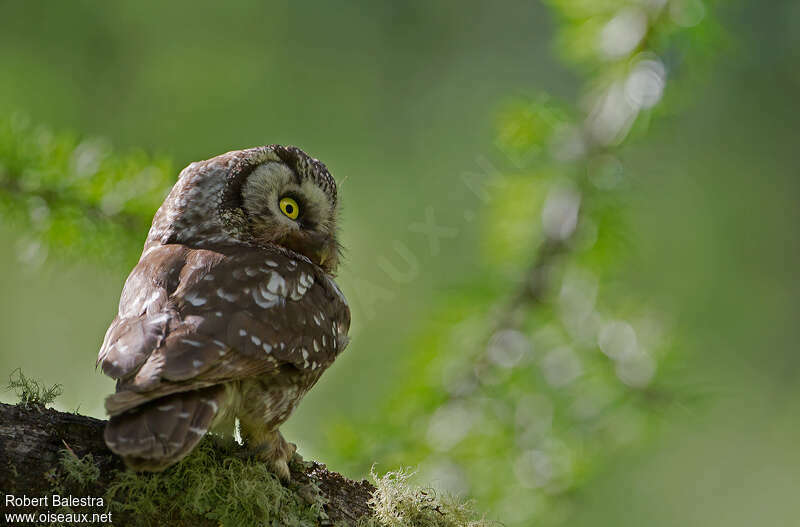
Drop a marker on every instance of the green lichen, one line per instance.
(399, 504)
(211, 483)
(32, 392)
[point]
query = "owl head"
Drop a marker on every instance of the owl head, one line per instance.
(266, 196)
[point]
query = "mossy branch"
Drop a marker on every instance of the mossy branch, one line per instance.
(45, 452)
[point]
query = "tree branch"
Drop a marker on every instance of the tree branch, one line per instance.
(33, 440)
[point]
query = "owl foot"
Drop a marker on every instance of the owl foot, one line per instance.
(273, 449)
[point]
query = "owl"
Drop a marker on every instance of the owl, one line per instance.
(231, 312)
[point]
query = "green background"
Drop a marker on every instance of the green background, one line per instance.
(400, 100)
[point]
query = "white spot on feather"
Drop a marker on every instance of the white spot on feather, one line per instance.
(158, 319)
(230, 297)
(298, 292)
(195, 300)
(263, 298)
(306, 279)
(276, 284)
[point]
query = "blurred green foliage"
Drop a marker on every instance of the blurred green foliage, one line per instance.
(77, 197)
(522, 387)
(678, 271)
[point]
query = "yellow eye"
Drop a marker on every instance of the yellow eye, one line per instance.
(289, 207)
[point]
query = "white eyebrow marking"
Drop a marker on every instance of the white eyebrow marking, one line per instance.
(198, 431)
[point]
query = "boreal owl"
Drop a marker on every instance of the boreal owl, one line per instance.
(231, 312)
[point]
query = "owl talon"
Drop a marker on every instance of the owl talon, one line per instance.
(273, 449)
(281, 469)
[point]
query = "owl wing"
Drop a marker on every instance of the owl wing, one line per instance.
(192, 318)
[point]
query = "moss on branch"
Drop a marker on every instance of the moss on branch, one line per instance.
(45, 452)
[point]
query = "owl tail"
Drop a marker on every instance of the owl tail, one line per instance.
(162, 432)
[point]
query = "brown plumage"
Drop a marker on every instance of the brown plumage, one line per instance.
(231, 312)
